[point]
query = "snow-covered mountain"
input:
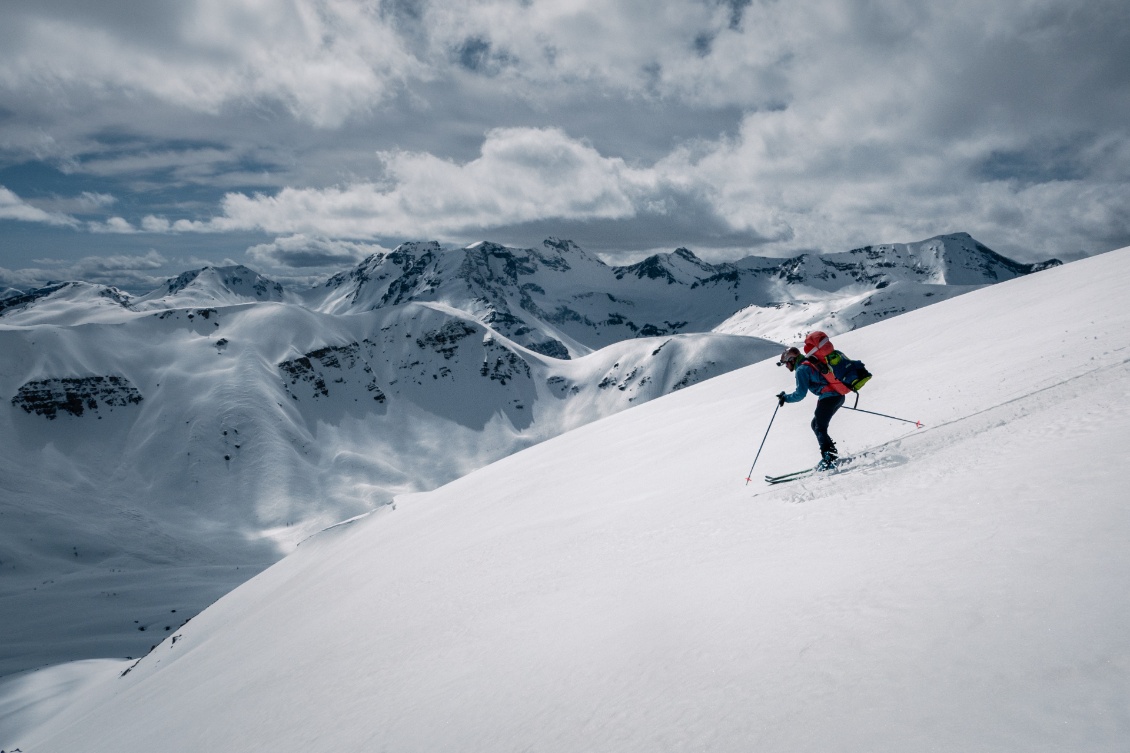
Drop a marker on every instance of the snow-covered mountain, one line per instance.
(65, 302)
(151, 463)
(70, 303)
(841, 292)
(621, 587)
(213, 286)
(563, 302)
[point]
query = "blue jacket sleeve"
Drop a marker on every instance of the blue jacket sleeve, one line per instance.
(803, 381)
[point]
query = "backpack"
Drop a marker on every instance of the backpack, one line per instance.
(852, 373)
(847, 375)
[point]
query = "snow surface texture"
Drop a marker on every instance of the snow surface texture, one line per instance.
(621, 588)
(157, 451)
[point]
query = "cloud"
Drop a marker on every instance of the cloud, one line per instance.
(86, 202)
(812, 124)
(301, 251)
(12, 207)
(93, 265)
(120, 270)
(322, 60)
(327, 61)
(521, 174)
(111, 225)
(789, 180)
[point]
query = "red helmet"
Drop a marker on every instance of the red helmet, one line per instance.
(789, 358)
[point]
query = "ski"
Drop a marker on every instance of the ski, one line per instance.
(798, 475)
(789, 476)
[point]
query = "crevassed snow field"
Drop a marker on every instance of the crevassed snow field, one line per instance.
(621, 588)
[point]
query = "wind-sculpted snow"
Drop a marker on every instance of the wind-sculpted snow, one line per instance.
(68, 302)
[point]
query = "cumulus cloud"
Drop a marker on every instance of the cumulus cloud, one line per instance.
(111, 225)
(521, 175)
(301, 251)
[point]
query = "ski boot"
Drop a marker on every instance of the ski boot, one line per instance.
(829, 459)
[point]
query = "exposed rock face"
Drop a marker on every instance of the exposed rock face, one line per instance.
(15, 302)
(316, 366)
(76, 395)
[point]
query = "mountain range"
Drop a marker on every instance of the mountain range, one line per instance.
(563, 302)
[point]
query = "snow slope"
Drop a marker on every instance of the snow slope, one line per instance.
(150, 464)
(621, 588)
(66, 302)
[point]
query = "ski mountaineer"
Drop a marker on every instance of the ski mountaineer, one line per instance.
(829, 400)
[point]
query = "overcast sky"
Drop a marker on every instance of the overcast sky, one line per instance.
(143, 137)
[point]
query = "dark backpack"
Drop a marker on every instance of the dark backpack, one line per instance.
(852, 373)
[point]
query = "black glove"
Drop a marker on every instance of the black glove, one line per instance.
(780, 399)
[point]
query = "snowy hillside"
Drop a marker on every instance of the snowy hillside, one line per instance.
(152, 463)
(620, 587)
(838, 312)
(65, 303)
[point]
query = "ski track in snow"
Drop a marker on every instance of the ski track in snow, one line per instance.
(925, 442)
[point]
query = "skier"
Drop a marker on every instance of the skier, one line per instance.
(829, 400)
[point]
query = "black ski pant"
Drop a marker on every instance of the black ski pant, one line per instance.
(826, 407)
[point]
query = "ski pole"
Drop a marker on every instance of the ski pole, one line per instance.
(767, 428)
(919, 424)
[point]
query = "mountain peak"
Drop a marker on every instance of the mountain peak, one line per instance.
(562, 245)
(214, 285)
(967, 261)
(679, 266)
(64, 302)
